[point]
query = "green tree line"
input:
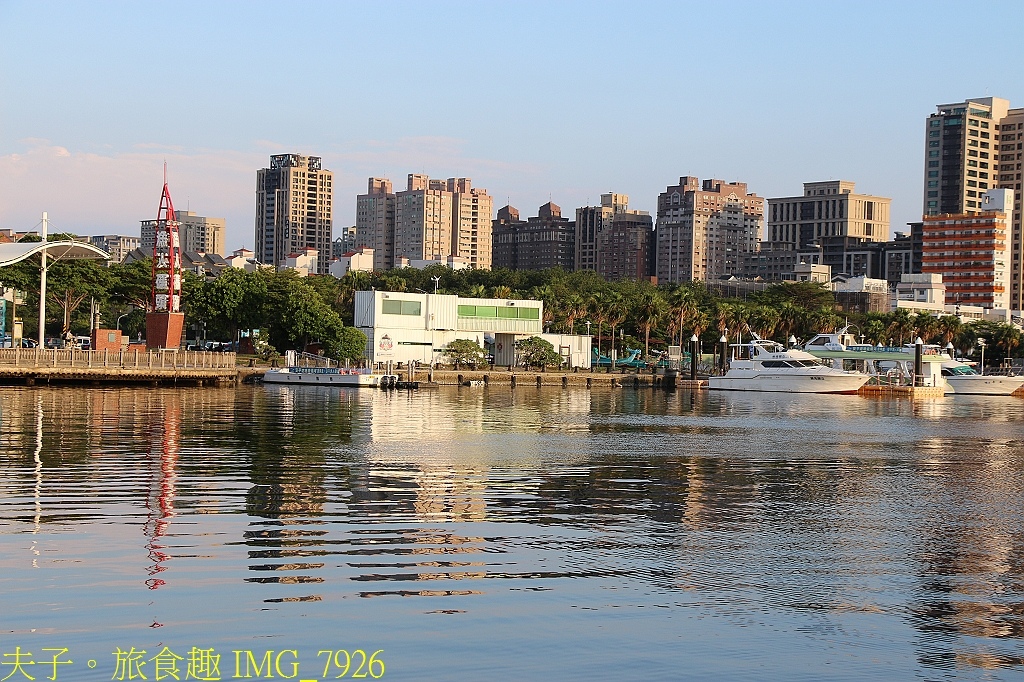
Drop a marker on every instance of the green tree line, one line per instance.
(638, 314)
(293, 311)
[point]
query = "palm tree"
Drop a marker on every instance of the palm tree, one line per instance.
(477, 291)
(683, 304)
(547, 295)
(598, 313)
(1005, 339)
(574, 308)
(649, 309)
(723, 315)
(616, 311)
(700, 321)
(926, 326)
(765, 320)
(791, 317)
(739, 314)
(948, 327)
(502, 291)
(901, 325)
(824, 320)
(874, 330)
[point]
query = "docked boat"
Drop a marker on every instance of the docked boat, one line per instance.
(762, 365)
(884, 365)
(962, 379)
(330, 376)
(307, 369)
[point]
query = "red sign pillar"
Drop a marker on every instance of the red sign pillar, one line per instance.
(164, 319)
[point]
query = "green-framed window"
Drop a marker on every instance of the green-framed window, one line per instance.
(499, 312)
(398, 307)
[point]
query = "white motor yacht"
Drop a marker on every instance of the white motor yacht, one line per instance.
(762, 365)
(963, 379)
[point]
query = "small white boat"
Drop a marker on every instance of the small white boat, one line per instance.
(762, 365)
(320, 371)
(329, 376)
(962, 379)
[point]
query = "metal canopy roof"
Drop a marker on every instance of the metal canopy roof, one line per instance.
(62, 250)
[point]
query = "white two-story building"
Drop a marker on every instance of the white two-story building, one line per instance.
(404, 327)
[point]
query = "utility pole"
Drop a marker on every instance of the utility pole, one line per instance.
(42, 288)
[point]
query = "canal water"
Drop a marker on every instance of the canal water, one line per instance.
(497, 533)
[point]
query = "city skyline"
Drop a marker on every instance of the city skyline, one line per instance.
(87, 143)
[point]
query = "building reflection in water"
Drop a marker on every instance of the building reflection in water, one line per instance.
(287, 501)
(970, 555)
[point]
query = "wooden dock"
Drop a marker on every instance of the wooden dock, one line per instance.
(31, 366)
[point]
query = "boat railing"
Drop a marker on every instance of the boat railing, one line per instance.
(311, 360)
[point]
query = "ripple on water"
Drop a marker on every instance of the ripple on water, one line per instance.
(572, 534)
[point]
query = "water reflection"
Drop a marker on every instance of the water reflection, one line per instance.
(878, 525)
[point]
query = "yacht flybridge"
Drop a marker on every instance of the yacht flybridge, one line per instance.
(763, 365)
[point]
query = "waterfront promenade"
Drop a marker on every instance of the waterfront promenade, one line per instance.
(29, 366)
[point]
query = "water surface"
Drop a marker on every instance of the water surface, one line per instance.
(491, 533)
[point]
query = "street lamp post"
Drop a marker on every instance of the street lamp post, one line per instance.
(694, 354)
(119, 318)
(592, 347)
(723, 349)
(981, 342)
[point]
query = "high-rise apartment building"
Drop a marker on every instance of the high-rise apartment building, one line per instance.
(423, 219)
(118, 246)
(960, 154)
(430, 220)
(706, 230)
(375, 222)
(826, 209)
(472, 209)
(969, 250)
(544, 241)
(591, 221)
(1010, 144)
(626, 248)
(294, 209)
(201, 234)
(344, 242)
(971, 147)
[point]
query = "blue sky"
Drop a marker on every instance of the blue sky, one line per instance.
(533, 101)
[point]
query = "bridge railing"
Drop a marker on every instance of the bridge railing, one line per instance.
(125, 359)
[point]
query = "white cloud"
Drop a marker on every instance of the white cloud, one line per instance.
(91, 192)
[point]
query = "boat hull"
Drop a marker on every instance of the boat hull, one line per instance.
(781, 383)
(354, 380)
(978, 384)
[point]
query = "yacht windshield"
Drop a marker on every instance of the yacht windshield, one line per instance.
(775, 364)
(962, 370)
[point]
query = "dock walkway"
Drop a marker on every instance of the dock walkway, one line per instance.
(30, 366)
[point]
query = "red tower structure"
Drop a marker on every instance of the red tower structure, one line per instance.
(164, 319)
